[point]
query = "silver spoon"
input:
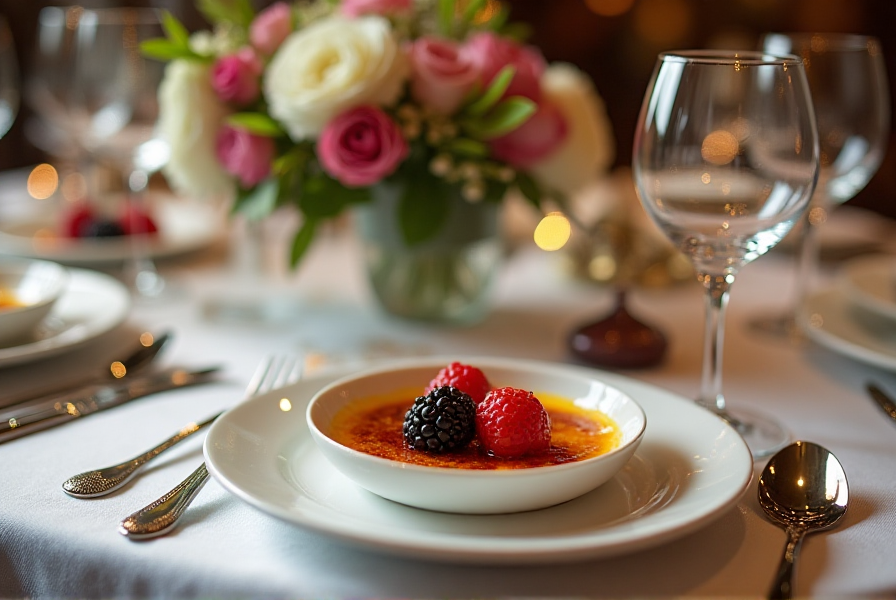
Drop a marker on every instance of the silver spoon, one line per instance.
(100, 482)
(802, 488)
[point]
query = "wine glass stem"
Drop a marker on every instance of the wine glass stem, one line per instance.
(717, 289)
(809, 251)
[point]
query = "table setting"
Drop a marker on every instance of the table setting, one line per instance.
(403, 403)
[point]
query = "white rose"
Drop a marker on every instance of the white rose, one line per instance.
(190, 115)
(332, 65)
(589, 147)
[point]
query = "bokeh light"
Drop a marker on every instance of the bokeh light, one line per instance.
(663, 22)
(552, 232)
(609, 8)
(719, 147)
(42, 181)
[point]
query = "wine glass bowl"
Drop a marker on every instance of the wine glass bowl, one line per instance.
(9, 79)
(850, 95)
(725, 160)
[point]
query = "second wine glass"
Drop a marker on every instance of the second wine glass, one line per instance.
(725, 160)
(848, 82)
(116, 90)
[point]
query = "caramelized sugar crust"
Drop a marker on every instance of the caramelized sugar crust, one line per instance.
(373, 426)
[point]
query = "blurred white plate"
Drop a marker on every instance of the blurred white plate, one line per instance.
(870, 282)
(184, 226)
(830, 319)
(91, 304)
(690, 468)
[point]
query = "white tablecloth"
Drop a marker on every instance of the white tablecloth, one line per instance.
(52, 545)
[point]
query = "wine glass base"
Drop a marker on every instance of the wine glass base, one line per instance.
(782, 327)
(763, 434)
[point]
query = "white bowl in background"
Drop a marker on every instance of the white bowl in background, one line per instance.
(34, 286)
(470, 491)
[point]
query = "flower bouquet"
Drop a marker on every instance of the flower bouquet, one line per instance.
(422, 109)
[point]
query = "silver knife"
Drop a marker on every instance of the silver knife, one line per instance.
(68, 407)
(883, 400)
(132, 364)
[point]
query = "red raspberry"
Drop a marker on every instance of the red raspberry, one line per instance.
(511, 422)
(467, 379)
(135, 220)
(77, 219)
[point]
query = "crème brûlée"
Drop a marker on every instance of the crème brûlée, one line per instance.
(373, 425)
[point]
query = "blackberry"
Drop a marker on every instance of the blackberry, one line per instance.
(101, 229)
(442, 420)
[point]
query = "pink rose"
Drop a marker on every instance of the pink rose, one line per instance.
(361, 146)
(245, 155)
(235, 77)
(443, 72)
(271, 27)
(356, 8)
(491, 53)
(534, 140)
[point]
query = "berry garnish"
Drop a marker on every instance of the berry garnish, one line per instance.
(135, 220)
(442, 420)
(102, 228)
(76, 220)
(469, 380)
(511, 422)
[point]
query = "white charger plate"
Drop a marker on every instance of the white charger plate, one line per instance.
(92, 304)
(831, 320)
(870, 282)
(184, 226)
(690, 468)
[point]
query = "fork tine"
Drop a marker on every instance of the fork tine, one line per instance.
(258, 378)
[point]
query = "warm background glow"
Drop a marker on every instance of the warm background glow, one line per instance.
(552, 232)
(42, 182)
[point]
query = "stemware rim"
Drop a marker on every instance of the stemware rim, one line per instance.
(730, 57)
(110, 15)
(840, 40)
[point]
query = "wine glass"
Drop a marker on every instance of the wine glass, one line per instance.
(725, 160)
(49, 87)
(9, 79)
(848, 82)
(116, 103)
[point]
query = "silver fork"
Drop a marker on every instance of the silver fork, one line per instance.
(161, 516)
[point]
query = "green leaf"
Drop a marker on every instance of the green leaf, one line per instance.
(423, 209)
(257, 123)
(467, 147)
(446, 16)
(495, 90)
(258, 202)
(529, 189)
(504, 118)
(302, 241)
(323, 197)
(229, 12)
(517, 31)
(164, 49)
(175, 30)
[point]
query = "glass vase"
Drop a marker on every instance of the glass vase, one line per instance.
(446, 279)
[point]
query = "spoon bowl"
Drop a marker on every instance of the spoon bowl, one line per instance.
(803, 489)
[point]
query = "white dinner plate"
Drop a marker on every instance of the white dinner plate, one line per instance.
(831, 320)
(92, 304)
(870, 282)
(689, 469)
(184, 226)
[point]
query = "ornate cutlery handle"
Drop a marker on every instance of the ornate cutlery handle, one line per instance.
(162, 516)
(92, 484)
